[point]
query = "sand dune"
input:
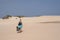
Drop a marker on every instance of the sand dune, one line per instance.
(34, 28)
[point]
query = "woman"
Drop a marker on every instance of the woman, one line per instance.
(19, 27)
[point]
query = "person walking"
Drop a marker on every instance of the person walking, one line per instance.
(19, 27)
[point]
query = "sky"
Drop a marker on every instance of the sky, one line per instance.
(29, 7)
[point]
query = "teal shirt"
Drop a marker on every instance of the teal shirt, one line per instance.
(19, 26)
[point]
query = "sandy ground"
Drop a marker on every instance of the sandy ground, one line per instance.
(34, 28)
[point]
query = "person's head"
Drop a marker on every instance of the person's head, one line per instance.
(20, 20)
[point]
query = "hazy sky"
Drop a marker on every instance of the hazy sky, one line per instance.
(29, 7)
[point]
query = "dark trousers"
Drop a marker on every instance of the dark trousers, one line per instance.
(18, 28)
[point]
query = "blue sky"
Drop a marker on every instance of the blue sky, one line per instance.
(29, 7)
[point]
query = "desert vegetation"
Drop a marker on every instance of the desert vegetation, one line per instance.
(20, 16)
(6, 17)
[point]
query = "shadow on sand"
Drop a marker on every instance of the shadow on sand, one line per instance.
(51, 22)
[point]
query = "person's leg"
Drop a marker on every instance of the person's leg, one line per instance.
(17, 28)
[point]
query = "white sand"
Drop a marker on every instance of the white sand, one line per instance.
(34, 28)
